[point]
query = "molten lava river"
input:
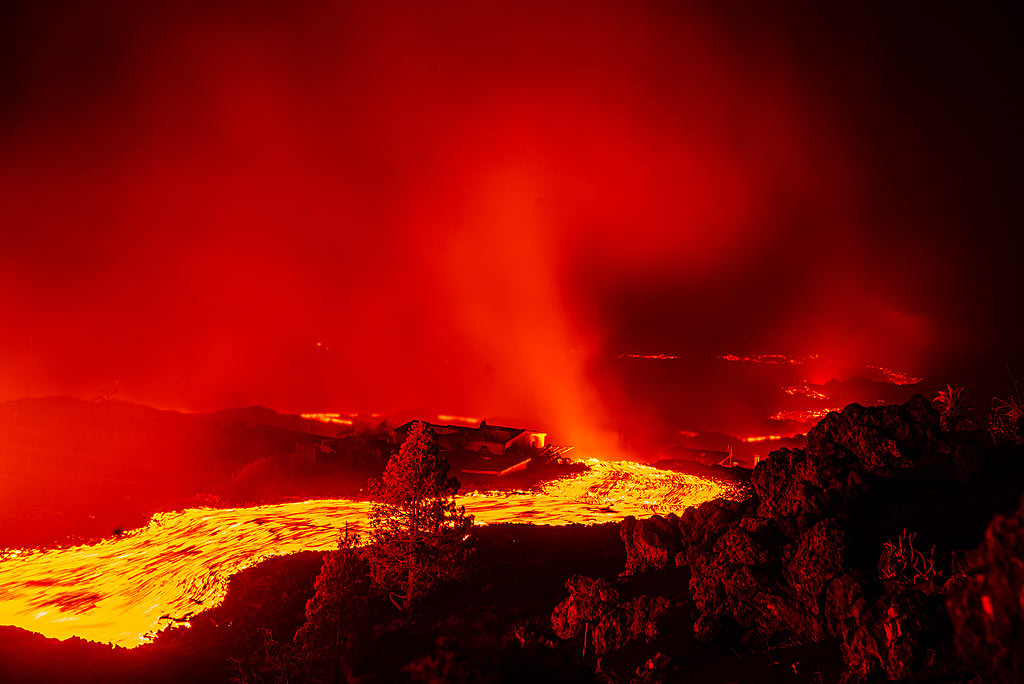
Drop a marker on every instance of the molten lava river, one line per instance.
(121, 590)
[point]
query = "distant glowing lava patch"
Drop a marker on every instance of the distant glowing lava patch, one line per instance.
(762, 438)
(464, 420)
(327, 418)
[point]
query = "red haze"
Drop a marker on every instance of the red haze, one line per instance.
(470, 206)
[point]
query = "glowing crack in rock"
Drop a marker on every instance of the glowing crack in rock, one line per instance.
(649, 357)
(123, 590)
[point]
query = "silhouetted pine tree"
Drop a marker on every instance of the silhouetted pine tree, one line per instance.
(335, 612)
(419, 535)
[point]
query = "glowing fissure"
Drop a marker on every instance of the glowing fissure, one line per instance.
(122, 590)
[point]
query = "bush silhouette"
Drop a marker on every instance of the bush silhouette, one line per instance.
(336, 612)
(954, 413)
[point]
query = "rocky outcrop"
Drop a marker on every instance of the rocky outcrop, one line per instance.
(986, 604)
(845, 449)
(655, 670)
(776, 590)
(701, 525)
(782, 567)
(596, 609)
(904, 636)
(783, 571)
(651, 543)
(826, 548)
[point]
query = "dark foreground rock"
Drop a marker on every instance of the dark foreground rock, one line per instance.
(903, 636)
(597, 610)
(651, 543)
(986, 603)
(858, 539)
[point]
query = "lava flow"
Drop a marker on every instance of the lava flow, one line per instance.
(124, 590)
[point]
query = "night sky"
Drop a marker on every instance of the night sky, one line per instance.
(471, 207)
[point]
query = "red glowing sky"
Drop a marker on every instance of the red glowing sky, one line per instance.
(463, 202)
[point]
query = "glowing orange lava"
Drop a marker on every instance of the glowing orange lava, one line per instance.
(868, 371)
(448, 418)
(120, 590)
(763, 438)
(649, 357)
(896, 377)
(805, 415)
(771, 359)
(328, 418)
(804, 391)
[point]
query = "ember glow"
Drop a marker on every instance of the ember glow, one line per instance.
(763, 438)
(123, 590)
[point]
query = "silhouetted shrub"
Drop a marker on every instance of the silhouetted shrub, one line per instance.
(1006, 420)
(954, 413)
(902, 565)
(335, 613)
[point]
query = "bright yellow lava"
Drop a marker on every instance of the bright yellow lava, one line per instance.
(119, 590)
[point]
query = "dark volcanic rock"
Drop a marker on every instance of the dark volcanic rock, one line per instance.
(729, 585)
(701, 526)
(903, 636)
(843, 604)
(779, 568)
(801, 590)
(595, 608)
(809, 565)
(842, 450)
(794, 483)
(972, 458)
(654, 670)
(587, 597)
(986, 606)
(651, 543)
(825, 549)
(882, 439)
